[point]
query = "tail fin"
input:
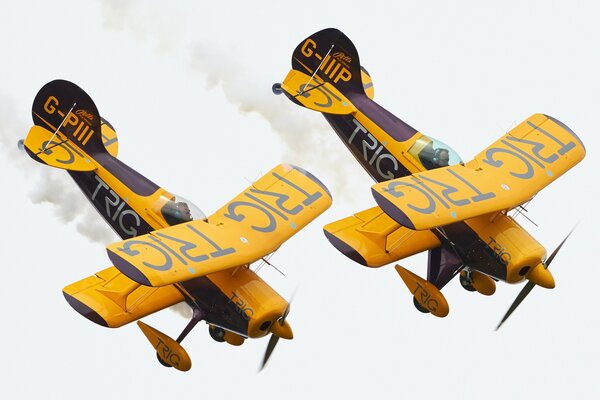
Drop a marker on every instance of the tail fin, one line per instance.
(333, 56)
(326, 73)
(67, 132)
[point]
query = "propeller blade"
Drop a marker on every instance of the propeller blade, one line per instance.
(274, 338)
(530, 285)
(522, 294)
(270, 347)
(549, 259)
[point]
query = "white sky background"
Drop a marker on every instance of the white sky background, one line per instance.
(187, 86)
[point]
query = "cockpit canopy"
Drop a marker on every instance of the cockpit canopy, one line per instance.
(432, 153)
(176, 210)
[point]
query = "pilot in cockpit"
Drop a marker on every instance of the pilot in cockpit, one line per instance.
(441, 157)
(176, 212)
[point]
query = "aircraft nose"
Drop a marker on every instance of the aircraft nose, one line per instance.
(282, 330)
(541, 276)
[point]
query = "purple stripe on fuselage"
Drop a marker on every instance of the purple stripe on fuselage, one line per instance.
(392, 125)
(124, 173)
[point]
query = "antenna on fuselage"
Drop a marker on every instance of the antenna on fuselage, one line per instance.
(58, 128)
(314, 73)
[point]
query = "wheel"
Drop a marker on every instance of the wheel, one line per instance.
(276, 88)
(218, 334)
(466, 282)
(419, 307)
(162, 362)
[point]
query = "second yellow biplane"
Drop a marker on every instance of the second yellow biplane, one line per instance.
(171, 251)
(428, 199)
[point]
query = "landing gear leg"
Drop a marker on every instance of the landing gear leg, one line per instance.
(466, 280)
(197, 316)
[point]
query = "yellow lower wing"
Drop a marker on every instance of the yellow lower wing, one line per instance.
(111, 299)
(506, 174)
(252, 225)
(373, 239)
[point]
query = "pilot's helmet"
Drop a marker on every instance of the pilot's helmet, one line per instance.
(182, 211)
(176, 212)
(441, 157)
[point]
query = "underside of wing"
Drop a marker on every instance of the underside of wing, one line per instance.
(111, 299)
(252, 225)
(508, 173)
(373, 239)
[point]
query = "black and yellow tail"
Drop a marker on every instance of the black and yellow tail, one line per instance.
(326, 74)
(68, 132)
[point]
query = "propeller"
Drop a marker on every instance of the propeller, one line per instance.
(530, 285)
(282, 330)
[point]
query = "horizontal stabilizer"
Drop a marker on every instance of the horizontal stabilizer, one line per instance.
(55, 151)
(373, 239)
(315, 94)
(505, 175)
(111, 299)
(252, 225)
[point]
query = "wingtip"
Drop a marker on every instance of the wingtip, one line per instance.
(391, 210)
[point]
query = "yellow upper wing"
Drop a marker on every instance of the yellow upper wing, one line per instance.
(253, 224)
(503, 176)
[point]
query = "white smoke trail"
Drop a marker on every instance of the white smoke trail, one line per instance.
(142, 20)
(91, 225)
(308, 141)
(49, 185)
(304, 133)
(182, 309)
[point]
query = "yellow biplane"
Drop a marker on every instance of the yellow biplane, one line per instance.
(428, 198)
(171, 251)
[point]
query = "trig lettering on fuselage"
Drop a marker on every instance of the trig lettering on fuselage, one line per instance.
(241, 306)
(115, 209)
(499, 251)
(120, 216)
(372, 154)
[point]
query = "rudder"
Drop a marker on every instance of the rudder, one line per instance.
(67, 132)
(334, 57)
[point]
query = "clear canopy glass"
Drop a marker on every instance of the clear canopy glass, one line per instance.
(432, 153)
(176, 210)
